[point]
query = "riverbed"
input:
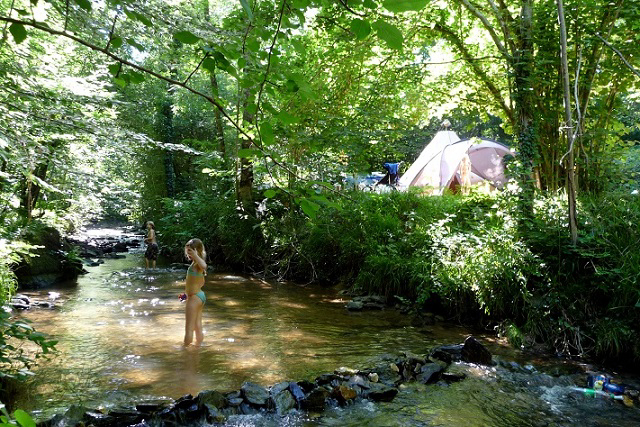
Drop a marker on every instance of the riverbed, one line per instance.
(120, 329)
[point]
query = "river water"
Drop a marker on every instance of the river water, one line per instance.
(120, 329)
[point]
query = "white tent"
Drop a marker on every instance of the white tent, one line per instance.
(443, 161)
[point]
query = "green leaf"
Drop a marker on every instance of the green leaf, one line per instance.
(270, 194)
(18, 32)
(186, 37)
(390, 34)
(399, 6)
(114, 69)
(241, 63)
(116, 42)
(360, 28)
(309, 208)
(266, 132)
(120, 81)
(84, 4)
(300, 4)
(132, 14)
(252, 108)
(287, 118)
(132, 42)
(247, 8)
(298, 46)
(135, 77)
(23, 418)
(370, 4)
(209, 64)
(253, 45)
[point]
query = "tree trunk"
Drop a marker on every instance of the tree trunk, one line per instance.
(524, 105)
(570, 164)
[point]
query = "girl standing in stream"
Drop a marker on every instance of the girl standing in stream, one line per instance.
(194, 251)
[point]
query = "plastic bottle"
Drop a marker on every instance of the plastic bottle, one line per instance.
(597, 393)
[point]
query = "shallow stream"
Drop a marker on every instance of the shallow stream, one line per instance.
(120, 329)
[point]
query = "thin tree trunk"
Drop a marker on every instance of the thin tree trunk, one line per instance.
(571, 188)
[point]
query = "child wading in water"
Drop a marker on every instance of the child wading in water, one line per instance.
(194, 251)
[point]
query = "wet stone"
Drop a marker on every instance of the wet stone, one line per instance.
(296, 391)
(235, 401)
(284, 402)
(474, 352)
(211, 397)
(255, 394)
(185, 402)
(381, 393)
(278, 388)
(316, 399)
(343, 394)
(429, 373)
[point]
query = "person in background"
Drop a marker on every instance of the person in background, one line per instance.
(195, 297)
(151, 254)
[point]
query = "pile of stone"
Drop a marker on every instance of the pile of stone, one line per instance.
(340, 388)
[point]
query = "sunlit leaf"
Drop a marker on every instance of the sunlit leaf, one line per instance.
(120, 81)
(270, 194)
(18, 32)
(398, 6)
(298, 46)
(23, 418)
(247, 8)
(186, 37)
(84, 4)
(389, 33)
(360, 28)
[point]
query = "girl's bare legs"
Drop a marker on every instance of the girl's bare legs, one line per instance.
(198, 326)
(193, 320)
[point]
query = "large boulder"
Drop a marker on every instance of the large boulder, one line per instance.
(51, 263)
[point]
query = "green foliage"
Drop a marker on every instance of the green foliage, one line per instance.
(16, 361)
(19, 418)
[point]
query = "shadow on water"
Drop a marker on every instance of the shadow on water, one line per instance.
(120, 330)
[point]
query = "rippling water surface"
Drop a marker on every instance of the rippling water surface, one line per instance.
(120, 330)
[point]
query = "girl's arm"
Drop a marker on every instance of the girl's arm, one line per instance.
(197, 260)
